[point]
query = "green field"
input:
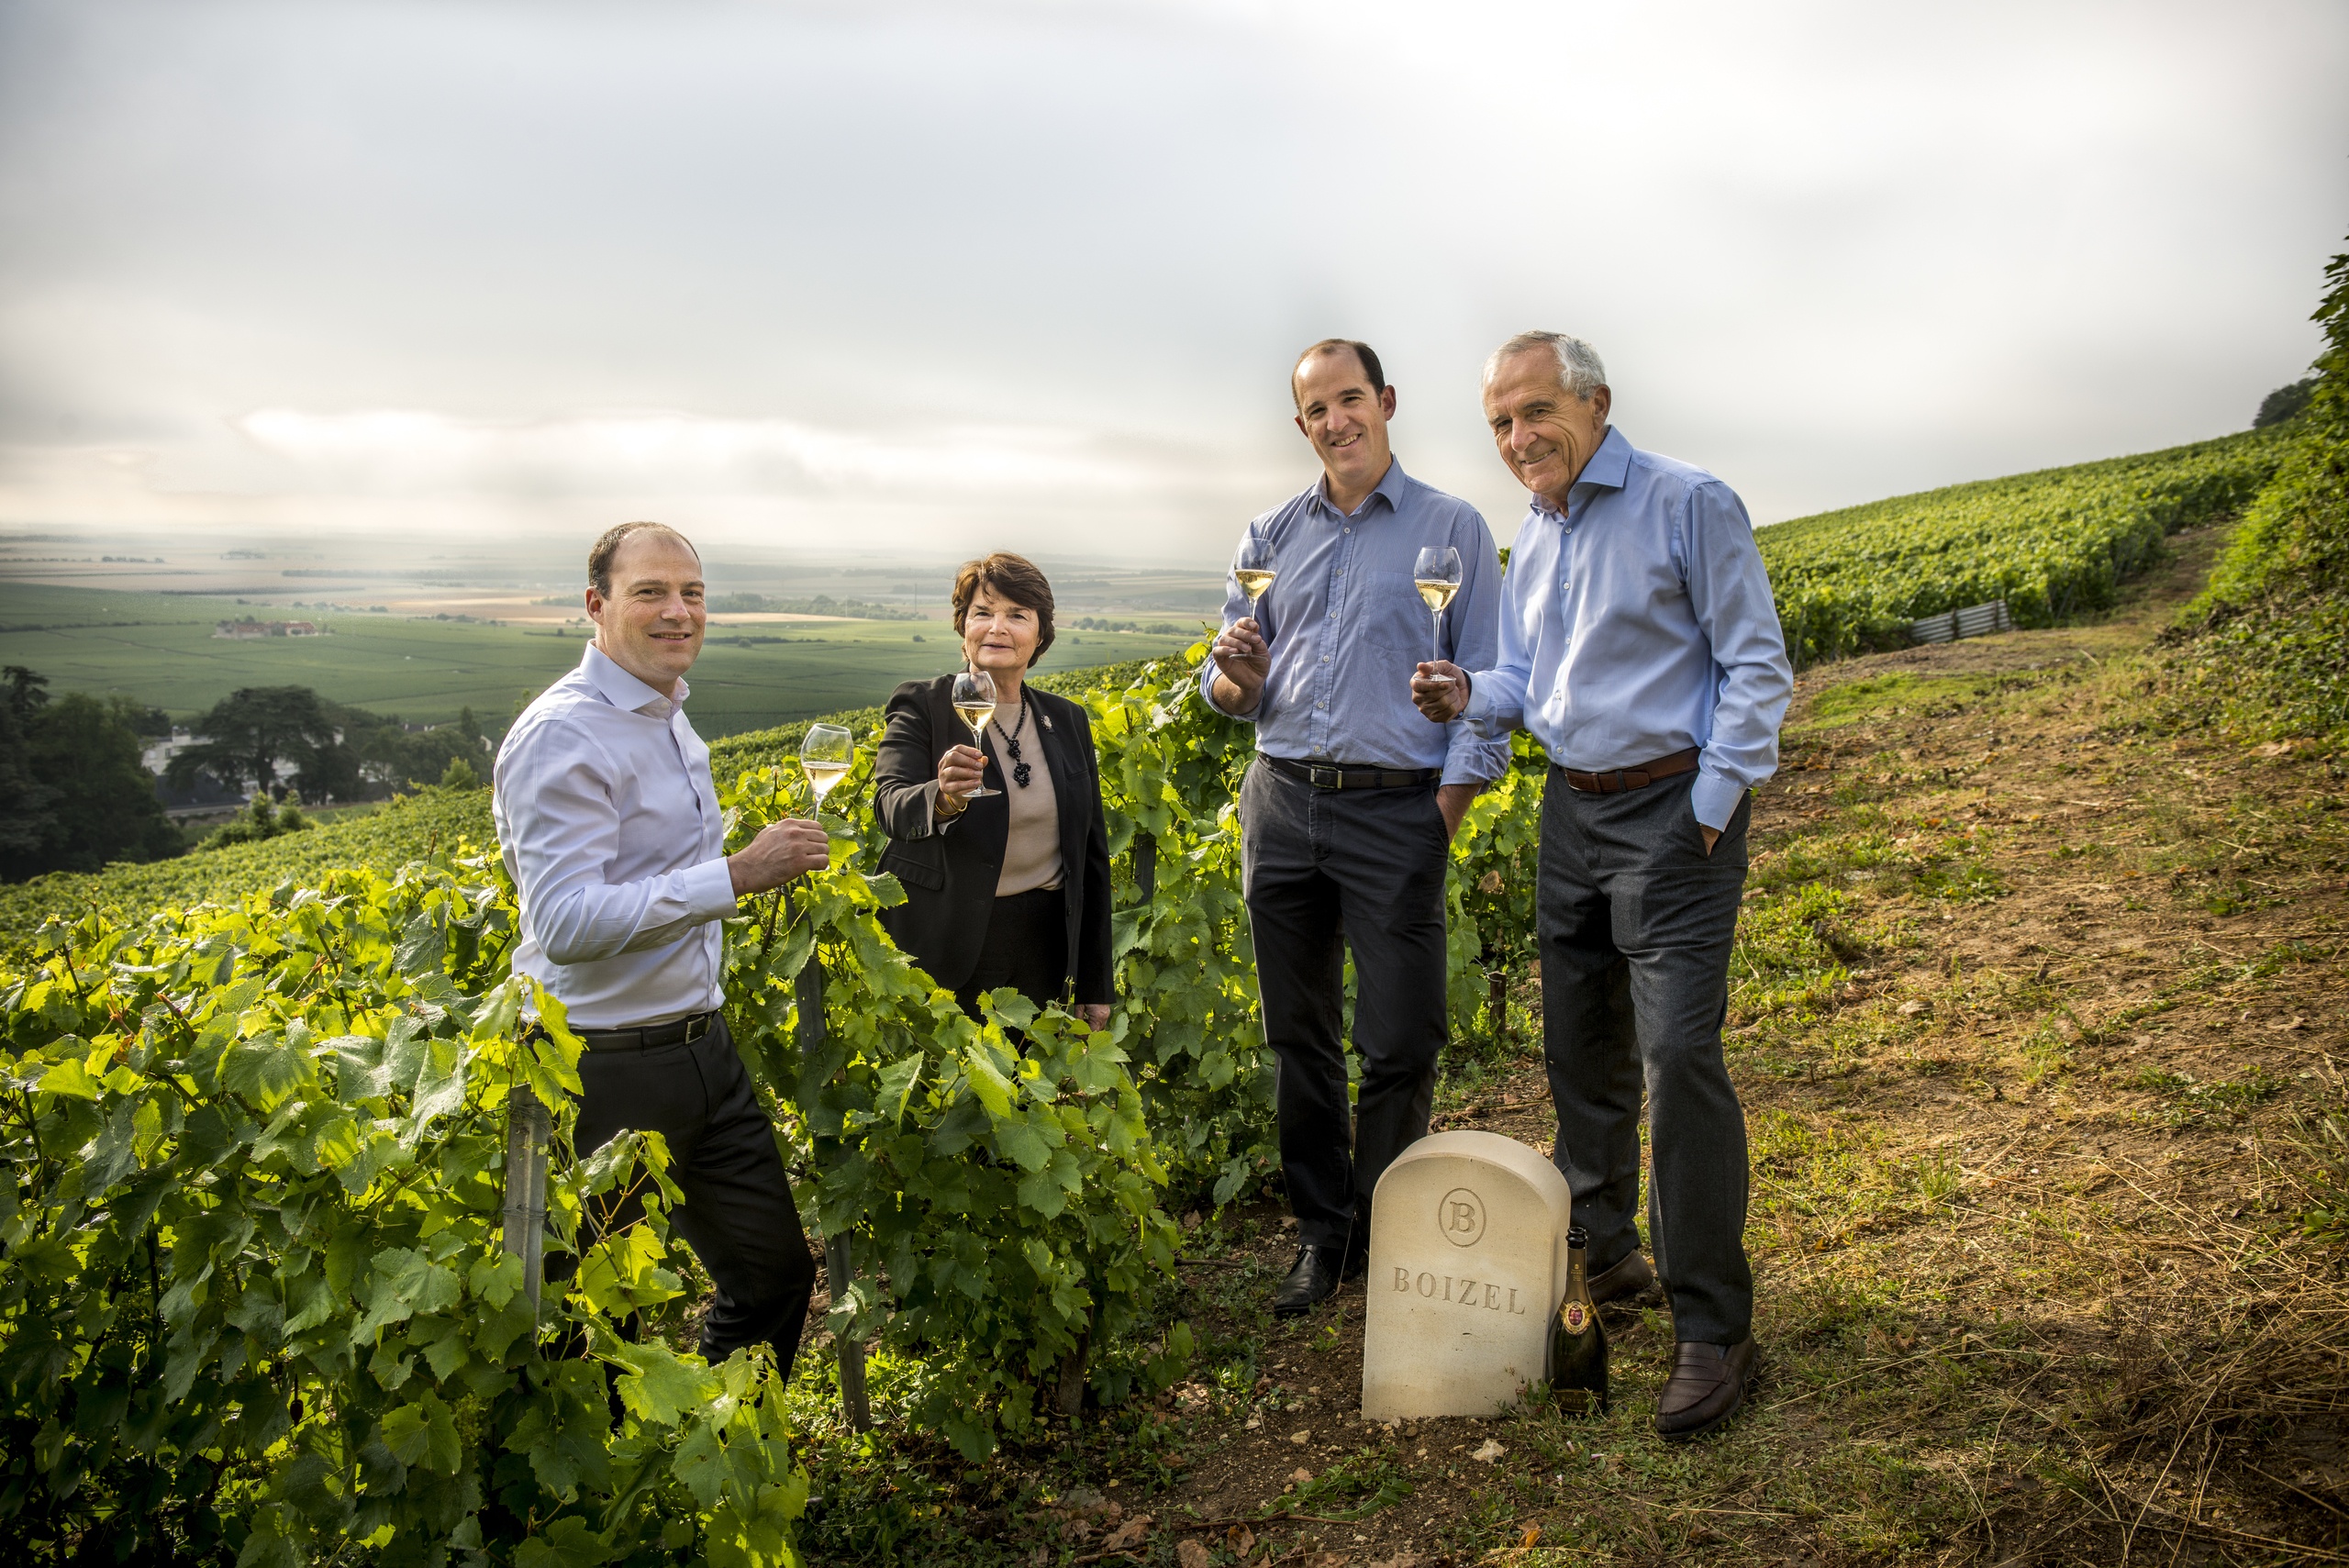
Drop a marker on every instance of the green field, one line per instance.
(159, 649)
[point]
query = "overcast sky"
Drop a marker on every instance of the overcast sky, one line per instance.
(933, 277)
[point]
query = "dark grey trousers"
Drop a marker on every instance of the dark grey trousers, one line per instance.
(1635, 924)
(738, 1214)
(1323, 869)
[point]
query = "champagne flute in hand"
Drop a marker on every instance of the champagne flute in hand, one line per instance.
(1254, 569)
(826, 756)
(974, 699)
(1437, 576)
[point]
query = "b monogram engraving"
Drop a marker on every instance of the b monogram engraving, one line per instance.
(1461, 1217)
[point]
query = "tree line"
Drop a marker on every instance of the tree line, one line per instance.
(75, 792)
(272, 738)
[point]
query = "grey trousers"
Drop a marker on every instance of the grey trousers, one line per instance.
(1323, 869)
(1635, 924)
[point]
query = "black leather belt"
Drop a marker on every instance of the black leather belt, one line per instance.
(1615, 781)
(1340, 775)
(684, 1032)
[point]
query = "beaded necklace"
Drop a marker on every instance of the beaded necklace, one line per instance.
(1021, 771)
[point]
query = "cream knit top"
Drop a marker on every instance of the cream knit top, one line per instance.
(1032, 853)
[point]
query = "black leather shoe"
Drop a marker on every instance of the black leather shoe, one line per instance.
(1708, 1384)
(1311, 1281)
(1625, 1280)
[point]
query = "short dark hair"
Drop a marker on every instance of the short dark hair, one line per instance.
(1016, 578)
(1362, 352)
(600, 554)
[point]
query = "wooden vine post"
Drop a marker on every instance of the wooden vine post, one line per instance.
(528, 1130)
(839, 1250)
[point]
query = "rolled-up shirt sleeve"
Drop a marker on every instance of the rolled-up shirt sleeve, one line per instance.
(1729, 591)
(564, 833)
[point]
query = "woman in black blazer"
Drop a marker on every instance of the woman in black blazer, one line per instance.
(1009, 889)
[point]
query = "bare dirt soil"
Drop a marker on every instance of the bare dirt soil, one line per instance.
(2038, 1016)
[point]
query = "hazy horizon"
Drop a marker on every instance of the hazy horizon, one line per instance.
(918, 280)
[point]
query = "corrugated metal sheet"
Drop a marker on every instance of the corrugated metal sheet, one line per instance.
(1974, 620)
(1981, 620)
(1935, 629)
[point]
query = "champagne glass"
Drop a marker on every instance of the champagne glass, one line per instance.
(826, 756)
(1254, 569)
(1437, 576)
(974, 699)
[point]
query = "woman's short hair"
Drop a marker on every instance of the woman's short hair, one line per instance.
(1009, 576)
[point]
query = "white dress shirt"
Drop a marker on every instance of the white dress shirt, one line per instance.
(610, 829)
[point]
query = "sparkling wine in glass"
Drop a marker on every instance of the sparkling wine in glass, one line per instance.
(1254, 569)
(826, 756)
(1437, 576)
(974, 699)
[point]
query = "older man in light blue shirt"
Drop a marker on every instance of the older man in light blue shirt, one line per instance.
(1641, 646)
(1347, 812)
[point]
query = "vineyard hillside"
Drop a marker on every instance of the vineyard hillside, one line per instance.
(406, 828)
(2263, 654)
(2055, 544)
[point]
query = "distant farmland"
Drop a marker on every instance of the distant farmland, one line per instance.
(159, 649)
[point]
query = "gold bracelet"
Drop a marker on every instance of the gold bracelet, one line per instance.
(961, 805)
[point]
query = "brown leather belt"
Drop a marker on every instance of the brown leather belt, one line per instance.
(684, 1032)
(1339, 775)
(1615, 781)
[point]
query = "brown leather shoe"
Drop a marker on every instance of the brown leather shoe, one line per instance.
(1708, 1386)
(1622, 1281)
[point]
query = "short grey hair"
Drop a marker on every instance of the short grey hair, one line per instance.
(1580, 371)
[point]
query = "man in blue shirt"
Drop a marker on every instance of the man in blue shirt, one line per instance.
(1640, 644)
(1351, 805)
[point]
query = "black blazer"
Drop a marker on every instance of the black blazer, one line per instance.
(950, 876)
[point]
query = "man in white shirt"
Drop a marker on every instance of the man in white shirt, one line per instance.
(611, 832)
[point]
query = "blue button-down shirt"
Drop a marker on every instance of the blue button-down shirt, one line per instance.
(1638, 623)
(1346, 628)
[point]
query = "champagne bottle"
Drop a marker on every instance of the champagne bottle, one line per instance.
(1578, 1339)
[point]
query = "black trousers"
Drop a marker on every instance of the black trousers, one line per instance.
(738, 1216)
(1321, 870)
(1635, 923)
(1026, 947)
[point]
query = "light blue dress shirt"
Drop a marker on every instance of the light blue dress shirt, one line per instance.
(1639, 623)
(1347, 627)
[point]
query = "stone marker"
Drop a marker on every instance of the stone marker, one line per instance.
(1468, 1263)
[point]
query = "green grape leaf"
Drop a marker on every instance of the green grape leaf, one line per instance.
(659, 1385)
(896, 1087)
(424, 1434)
(69, 1078)
(567, 1542)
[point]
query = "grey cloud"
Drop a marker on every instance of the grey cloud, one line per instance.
(1829, 250)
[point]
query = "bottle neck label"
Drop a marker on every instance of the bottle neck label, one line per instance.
(1575, 1316)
